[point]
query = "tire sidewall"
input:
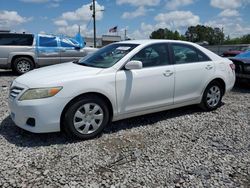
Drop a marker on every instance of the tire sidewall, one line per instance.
(204, 98)
(21, 59)
(69, 118)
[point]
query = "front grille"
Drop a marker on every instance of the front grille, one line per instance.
(15, 91)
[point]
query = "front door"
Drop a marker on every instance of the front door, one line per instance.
(48, 51)
(149, 87)
(70, 50)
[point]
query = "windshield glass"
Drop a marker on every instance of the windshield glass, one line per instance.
(244, 55)
(108, 56)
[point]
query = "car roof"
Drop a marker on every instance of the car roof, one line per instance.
(152, 41)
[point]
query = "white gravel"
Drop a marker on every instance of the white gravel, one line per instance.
(185, 147)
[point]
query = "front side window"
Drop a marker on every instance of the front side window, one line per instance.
(47, 41)
(187, 54)
(107, 56)
(153, 55)
(65, 42)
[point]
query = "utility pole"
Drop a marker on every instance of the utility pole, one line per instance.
(125, 34)
(94, 23)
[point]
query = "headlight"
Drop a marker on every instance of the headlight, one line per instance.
(39, 93)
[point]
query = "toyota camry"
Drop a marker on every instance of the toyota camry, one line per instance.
(119, 81)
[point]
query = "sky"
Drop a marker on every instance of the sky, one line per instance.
(138, 17)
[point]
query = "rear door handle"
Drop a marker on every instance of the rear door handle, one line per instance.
(168, 73)
(209, 67)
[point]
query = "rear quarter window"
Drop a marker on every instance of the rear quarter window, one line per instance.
(16, 39)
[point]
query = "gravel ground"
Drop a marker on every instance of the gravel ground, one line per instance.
(185, 147)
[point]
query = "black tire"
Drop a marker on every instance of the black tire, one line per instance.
(69, 118)
(211, 103)
(22, 65)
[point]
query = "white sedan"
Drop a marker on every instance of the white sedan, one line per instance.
(121, 80)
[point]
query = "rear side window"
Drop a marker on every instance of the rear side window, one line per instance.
(47, 41)
(16, 39)
(187, 54)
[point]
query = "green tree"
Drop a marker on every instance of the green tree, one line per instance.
(166, 34)
(200, 33)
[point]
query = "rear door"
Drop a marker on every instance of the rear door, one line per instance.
(70, 50)
(48, 51)
(193, 69)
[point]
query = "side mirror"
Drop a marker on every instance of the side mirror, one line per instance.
(133, 65)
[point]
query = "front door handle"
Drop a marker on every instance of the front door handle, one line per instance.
(209, 67)
(168, 73)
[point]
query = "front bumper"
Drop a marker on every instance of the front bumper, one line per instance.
(46, 113)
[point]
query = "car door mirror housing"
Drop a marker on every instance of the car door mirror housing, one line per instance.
(133, 65)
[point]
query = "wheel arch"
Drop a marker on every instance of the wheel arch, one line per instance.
(219, 81)
(14, 57)
(100, 95)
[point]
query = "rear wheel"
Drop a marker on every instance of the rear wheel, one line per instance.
(212, 96)
(22, 65)
(86, 117)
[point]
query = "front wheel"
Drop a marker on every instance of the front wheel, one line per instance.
(86, 117)
(212, 96)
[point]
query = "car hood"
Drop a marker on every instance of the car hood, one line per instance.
(56, 75)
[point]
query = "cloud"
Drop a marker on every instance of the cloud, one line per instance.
(226, 4)
(177, 19)
(11, 18)
(83, 13)
(234, 27)
(174, 4)
(139, 2)
(68, 22)
(61, 23)
(229, 13)
(141, 11)
(143, 32)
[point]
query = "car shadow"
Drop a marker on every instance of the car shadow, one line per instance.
(22, 138)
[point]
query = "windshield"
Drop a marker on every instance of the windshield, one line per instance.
(244, 55)
(107, 56)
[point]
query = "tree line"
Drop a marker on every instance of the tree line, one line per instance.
(200, 33)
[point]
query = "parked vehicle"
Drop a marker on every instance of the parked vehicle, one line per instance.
(231, 53)
(24, 52)
(121, 80)
(242, 65)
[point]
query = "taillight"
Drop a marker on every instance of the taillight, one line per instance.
(232, 66)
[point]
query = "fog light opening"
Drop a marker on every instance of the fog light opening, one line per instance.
(31, 122)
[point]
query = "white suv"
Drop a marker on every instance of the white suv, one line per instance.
(121, 80)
